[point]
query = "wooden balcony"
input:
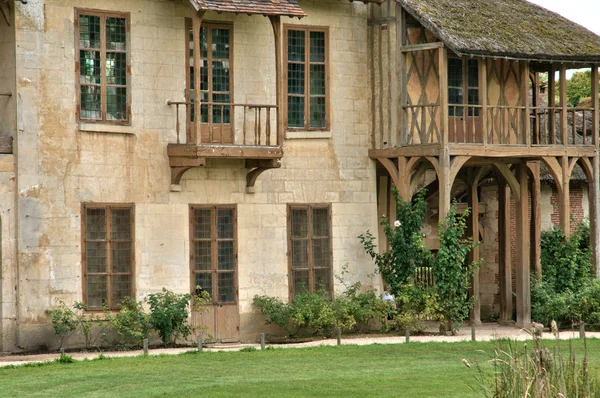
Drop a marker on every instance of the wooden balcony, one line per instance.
(235, 131)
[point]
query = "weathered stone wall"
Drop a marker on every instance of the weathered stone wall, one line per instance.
(63, 164)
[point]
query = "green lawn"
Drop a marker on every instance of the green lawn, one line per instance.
(404, 370)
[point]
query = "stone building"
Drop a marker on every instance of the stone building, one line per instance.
(131, 169)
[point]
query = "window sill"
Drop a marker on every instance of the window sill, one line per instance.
(297, 135)
(105, 128)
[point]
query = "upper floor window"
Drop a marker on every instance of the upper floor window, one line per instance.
(107, 254)
(310, 255)
(103, 65)
(463, 77)
(307, 90)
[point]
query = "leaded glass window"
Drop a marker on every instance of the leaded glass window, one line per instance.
(463, 77)
(306, 78)
(103, 64)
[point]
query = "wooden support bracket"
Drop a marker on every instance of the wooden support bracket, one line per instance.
(510, 179)
(555, 169)
(257, 168)
(5, 9)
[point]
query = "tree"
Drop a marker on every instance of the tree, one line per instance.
(579, 86)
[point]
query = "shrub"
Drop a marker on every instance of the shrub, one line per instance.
(314, 311)
(64, 322)
(275, 312)
(415, 305)
(131, 323)
(169, 314)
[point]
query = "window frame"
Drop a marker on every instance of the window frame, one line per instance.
(307, 29)
(214, 258)
(107, 207)
(311, 268)
(103, 14)
(189, 25)
(465, 87)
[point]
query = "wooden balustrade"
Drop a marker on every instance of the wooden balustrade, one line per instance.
(229, 124)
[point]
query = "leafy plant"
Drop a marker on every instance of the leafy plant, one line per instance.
(169, 314)
(64, 322)
(275, 312)
(452, 270)
(91, 327)
(64, 358)
(131, 323)
(414, 305)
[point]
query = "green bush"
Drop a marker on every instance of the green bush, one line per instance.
(275, 312)
(64, 322)
(415, 305)
(169, 314)
(131, 323)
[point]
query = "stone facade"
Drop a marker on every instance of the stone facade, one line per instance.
(62, 163)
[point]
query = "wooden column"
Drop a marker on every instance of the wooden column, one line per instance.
(400, 60)
(565, 198)
(196, 24)
(445, 184)
(443, 87)
(403, 184)
(483, 98)
(594, 198)
(522, 235)
(504, 258)
(276, 24)
(525, 98)
(552, 103)
(536, 218)
(564, 131)
(473, 202)
(595, 105)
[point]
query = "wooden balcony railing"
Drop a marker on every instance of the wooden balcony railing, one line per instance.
(230, 124)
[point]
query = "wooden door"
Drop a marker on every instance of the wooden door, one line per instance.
(214, 269)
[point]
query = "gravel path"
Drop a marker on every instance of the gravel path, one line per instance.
(483, 332)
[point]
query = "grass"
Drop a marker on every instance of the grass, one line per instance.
(410, 370)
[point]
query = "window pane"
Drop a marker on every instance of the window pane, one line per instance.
(220, 43)
(121, 288)
(202, 218)
(95, 257)
(296, 111)
(455, 95)
(317, 46)
(96, 290)
(91, 104)
(116, 103)
(202, 256)
(320, 222)
(116, 36)
(203, 42)
(221, 112)
(89, 67)
(473, 73)
(121, 257)
(300, 281)
(226, 257)
(226, 287)
(317, 112)
(296, 45)
(455, 72)
(299, 223)
(203, 75)
(225, 224)
(320, 253)
(300, 253)
(116, 68)
(220, 76)
(204, 280)
(296, 79)
(322, 281)
(120, 224)
(89, 31)
(473, 100)
(95, 224)
(317, 80)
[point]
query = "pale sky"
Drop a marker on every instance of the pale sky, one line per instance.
(584, 12)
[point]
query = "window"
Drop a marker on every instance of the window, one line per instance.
(107, 254)
(214, 252)
(463, 76)
(103, 84)
(309, 242)
(307, 78)
(216, 55)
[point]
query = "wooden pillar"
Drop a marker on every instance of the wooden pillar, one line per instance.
(525, 98)
(443, 88)
(483, 98)
(551, 104)
(445, 185)
(400, 61)
(522, 235)
(564, 133)
(594, 197)
(196, 136)
(565, 198)
(504, 258)
(276, 24)
(536, 218)
(403, 184)
(473, 202)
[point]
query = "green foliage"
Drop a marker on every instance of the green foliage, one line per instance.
(579, 86)
(64, 358)
(314, 311)
(275, 312)
(64, 322)
(131, 323)
(248, 349)
(407, 251)
(452, 270)
(169, 314)
(414, 305)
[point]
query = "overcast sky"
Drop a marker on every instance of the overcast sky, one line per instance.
(584, 12)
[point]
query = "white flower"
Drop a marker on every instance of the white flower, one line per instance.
(397, 223)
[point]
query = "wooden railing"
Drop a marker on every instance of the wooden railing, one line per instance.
(492, 125)
(230, 124)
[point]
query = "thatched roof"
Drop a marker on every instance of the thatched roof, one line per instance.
(288, 8)
(505, 28)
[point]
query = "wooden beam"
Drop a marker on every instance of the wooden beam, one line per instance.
(504, 253)
(536, 217)
(526, 129)
(483, 100)
(555, 169)
(594, 194)
(552, 103)
(391, 169)
(456, 164)
(403, 184)
(422, 47)
(196, 24)
(276, 24)
(564, 131)
(565, 198)
(445, 186)
(473, 200)
(443, 90)
(510, 179)
(522, 235)
(595, 105)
